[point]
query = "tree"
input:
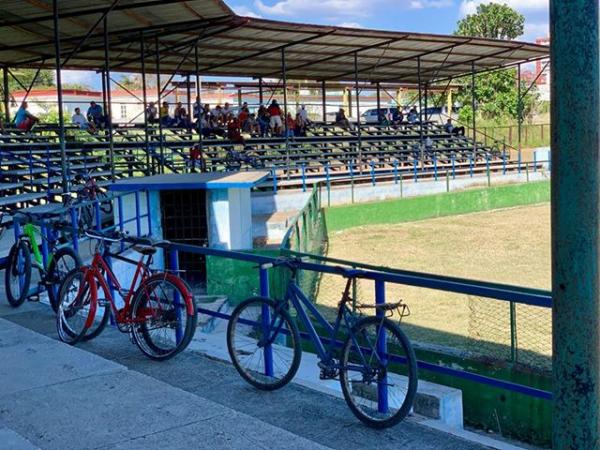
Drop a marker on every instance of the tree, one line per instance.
(496, 92)
(45, 79)
(492, 21)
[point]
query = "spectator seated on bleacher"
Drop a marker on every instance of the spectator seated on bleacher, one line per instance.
(341, 120)
(263, 120)
(24, 120)
(397, 116)
(234, 132)
(96, 116)
(291, 125)
(413, 116)
(80, 120)
(451, 129)
(151, 113)
(181, 118)
(383, 120)
(209, 126)
(165, 118)
(197, 109)
(251, 125)
(276, 123)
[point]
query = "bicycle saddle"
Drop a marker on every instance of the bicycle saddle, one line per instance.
(144, 249)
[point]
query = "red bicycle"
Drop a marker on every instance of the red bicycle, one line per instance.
(159, 312)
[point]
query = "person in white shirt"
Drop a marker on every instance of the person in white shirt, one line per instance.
(80, 120)
(303, 113)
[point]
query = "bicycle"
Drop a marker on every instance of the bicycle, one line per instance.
(158, 313)
(20, 263)
(264, 344)
(87, 193)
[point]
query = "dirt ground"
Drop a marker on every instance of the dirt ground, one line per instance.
(509, 246)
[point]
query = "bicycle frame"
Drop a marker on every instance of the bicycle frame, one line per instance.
(30, 231)
(95, 273)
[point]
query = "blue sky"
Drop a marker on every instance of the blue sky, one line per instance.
(427, 16)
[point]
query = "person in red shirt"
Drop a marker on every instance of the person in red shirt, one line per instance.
(291, 125)
(234, 133)
(275, 113)
(243, 116)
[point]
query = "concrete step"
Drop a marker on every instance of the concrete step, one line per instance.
(271, 226)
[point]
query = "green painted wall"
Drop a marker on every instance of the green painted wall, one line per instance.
(430, 206)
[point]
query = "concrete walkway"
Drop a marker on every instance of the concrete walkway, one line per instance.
(106, 394)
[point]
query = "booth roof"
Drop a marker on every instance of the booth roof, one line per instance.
(231, 45)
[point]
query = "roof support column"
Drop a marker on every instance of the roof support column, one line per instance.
(420, 102)
(161, 167)
(378, 101)
(104, 103)
(426, 100)
(261, 98)
(285, 111)
(519, 111)
(575, 115)
(198, 99)
(108, 110)
(188, 93)
(6, 99)
(473, 108)
(357, 109)
(61, 116)
(145, 105)
(324, 99)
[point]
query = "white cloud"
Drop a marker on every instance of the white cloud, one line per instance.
(535, 30)
(470, 6)
(245, 11)
(331, 8)
(422, 4)
(350, 25)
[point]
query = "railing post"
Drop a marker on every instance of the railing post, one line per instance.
(303, 167)
(121, 220)
(274, 176)
(435, 168)
(401, 187)
(396, 171)
(372, 164)
(519, 156)
(174, 267)
(382, 385)
(45, 233)
(453, 160)
(471, 165)
(98, 215)
(487, 169)
(75, 229)
(415, 168)
(328, 184)
(148, 210)
(535, 161)
(447, 181)
(266, 320)
(504, 162)
(513, 332)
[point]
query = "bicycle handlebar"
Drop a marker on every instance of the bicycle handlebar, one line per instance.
(119, 236)
(294, 263)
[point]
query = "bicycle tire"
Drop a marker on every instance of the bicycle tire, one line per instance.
(57, 273)
(142, 325)
(104, 202)
(370, 392)
(18, 265)
(73, 301)
(257, 378)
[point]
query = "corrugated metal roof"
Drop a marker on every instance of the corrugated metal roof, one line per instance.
(231, 45)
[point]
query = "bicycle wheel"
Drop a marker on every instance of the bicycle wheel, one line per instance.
(63, 262)
(164, 316)
(75, 305)
(105, 202)
(375, 395)
(263, 343)
(17, 275)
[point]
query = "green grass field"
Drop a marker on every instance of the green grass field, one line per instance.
(510, 245)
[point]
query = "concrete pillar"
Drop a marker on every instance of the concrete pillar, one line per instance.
(230, 219)
(575, 223)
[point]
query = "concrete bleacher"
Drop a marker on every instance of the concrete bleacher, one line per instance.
(33, 160)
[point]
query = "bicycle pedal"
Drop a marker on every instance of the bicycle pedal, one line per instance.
(33, 298)
(328, 374)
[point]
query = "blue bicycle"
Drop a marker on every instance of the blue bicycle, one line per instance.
(376, 363)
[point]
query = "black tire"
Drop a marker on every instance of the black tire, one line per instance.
(368, 389)
(104, 202)
(17, 275)
(175, 316)
(242, 331)
(63, 262)
(74, 307)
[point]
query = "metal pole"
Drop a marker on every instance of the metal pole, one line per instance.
(261, 97)
(6, 98)
(145, 99)
(161, 168)
(519, 110)
(188, 92)
(61, 116)
(104, 105)
(285, 110)
(357, 108)
(473, 105)
(378, 100)
(199, 95)
(108, 111)
(575, 49)
(324, 100)
(426, 100)
(420, 100)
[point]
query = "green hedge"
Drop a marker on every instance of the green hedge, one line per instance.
(430, 206)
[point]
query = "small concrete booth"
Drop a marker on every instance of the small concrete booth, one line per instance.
(207, 209)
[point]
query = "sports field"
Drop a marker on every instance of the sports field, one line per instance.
(506, 245)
